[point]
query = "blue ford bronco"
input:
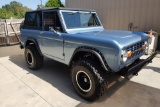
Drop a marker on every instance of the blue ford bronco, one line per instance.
(77, 38)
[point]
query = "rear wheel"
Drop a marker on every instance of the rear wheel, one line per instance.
(33, 58)
(88, 79)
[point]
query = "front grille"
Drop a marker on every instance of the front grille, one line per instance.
(136, 48)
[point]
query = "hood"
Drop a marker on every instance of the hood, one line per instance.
(123, 38)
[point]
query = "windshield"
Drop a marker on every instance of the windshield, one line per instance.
(80, 20)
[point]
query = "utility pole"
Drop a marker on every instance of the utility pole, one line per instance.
(41, 4)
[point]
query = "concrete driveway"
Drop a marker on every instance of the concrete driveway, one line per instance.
(51, 86)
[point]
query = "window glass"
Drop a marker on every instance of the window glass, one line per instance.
(33, 20)
(30, 19)
(51, 20)
(48, 20)
(80, 20)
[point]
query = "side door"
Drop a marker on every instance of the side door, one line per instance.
(51, 38)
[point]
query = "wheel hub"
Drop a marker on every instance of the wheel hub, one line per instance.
(83, 81)
(29, 58)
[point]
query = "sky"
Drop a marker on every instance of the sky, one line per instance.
(29, 3)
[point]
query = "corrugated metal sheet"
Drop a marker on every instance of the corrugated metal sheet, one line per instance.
(118, 14)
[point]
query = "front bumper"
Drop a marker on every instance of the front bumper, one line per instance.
(136, 66)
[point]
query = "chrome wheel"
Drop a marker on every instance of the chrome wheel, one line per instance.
(83, 81)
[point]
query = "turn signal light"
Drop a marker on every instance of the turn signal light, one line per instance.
(129, 54)
(143, 47)
(150, 33)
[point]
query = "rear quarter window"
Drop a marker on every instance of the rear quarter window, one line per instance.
(33, 20)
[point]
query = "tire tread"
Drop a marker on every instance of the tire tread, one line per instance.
(98, 72)
(37, 57)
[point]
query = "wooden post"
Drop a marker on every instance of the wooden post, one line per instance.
(3, 39)
(5, 30)
(7, 36)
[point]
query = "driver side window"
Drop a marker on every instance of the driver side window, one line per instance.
(51, 20)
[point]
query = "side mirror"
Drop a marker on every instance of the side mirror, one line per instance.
(58, 29)
(52, 29)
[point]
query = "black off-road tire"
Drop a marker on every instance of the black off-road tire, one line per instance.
(33, 58)
(92, 74)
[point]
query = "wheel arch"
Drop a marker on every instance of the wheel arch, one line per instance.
(81, 51)
(32, 41)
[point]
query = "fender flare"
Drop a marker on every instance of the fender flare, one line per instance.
(36, 44)
(96, 53)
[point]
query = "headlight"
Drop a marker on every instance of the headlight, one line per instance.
(125, 55)
(146, 43)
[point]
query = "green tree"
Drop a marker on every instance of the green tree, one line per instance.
(16, 8)
(4, 14)
(54, 3)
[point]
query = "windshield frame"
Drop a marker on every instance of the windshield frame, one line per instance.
(67, 29)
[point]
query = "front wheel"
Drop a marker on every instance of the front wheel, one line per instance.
(88, 79)
(33, 58)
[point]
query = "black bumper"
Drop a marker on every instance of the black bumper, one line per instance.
(136, 66)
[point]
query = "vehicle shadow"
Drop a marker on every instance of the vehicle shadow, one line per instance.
(153, 68)
(58, 75)
(115, 82)
(54, 73)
